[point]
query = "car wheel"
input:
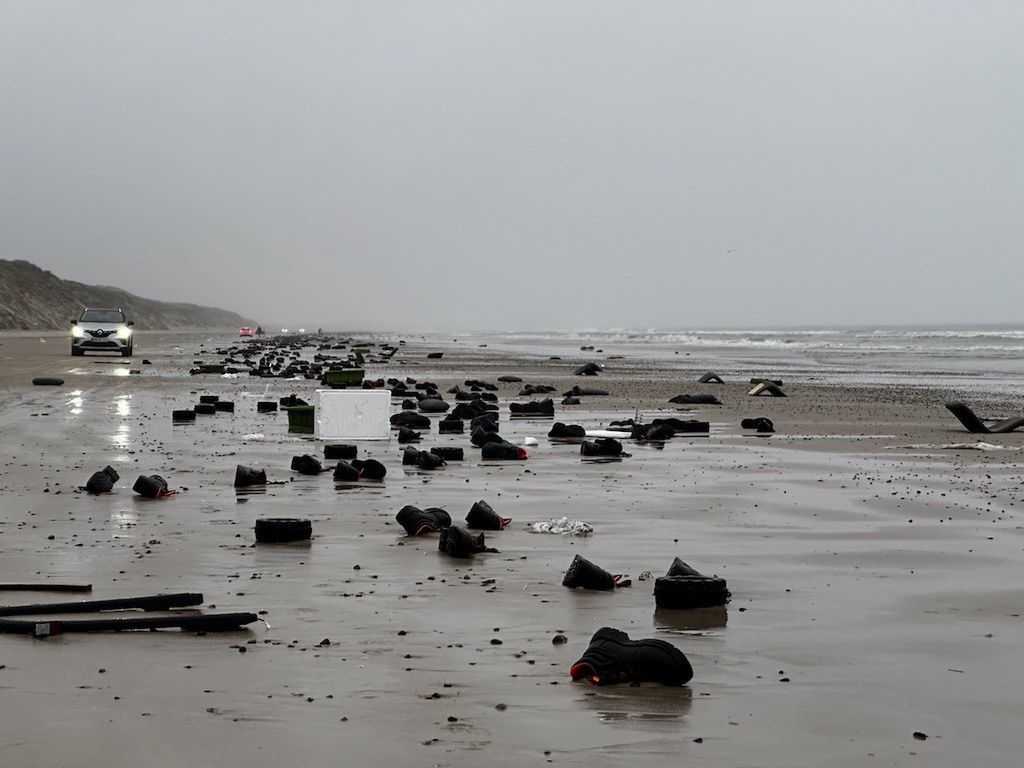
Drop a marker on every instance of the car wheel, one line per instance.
(126, 352)
(76, 352)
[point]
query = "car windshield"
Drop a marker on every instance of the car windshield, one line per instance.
(102, 316)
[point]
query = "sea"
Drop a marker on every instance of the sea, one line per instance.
(984, 359)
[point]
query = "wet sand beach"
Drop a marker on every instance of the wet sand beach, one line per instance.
(875, 576)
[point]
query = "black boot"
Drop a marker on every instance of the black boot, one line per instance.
(483, 518)
(406, 435)
(246, 476)
(370, 469)
(151, 487)
(345, 472)
(602, 446)
(420, 522)
(428, 460)
(584, 574)
(502, 451)
(458, 542)
(306, 465)
(102, 481)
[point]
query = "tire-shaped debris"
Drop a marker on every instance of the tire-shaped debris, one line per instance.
(682, 592)
(280, 530)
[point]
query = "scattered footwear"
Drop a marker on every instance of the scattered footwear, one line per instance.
(760, 424)
(345, 472)
(602, 446)
(306, 465)
(482, 517)
(542, 408)
(583, 574)
(102, 481)
(369, 469)
(406, 435)
(246, 477)
(458, 542)
(613, 658)
(341, 451)
(448, 453)
(420, 522)
(560, 430)
(502, 451)
(152, 487)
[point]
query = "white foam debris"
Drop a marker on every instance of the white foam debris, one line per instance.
(561, 525)
(529, 441)
(254, 436)
(978, 446)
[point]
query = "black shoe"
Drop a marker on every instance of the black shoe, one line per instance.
(420, 522)
(613, 658)
(450, 427)
(685, 587)
(306, 465)
(602, 446)
(481, 437)
(678, 425)
(151, 487)
(760, 424)
(448, 453)
(428, 460)
(409, 456)
(334, 452)
(585, 575)
(345, 472)
(102, 481)
(410, 419)
(458, 542)
(653, 432)
(406, 435)
(558, 429)
(483, 518)
(488, 422)
(545, 407)
(502, 451)
(370, 469)
(247, 476)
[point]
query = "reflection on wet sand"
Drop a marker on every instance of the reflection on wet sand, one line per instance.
(691, 619)
(637, 704)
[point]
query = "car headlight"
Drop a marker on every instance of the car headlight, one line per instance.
(77, 331)
(124, 332)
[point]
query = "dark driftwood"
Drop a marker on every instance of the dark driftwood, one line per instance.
(973, 424)
(214, 622)
(148, 603)
(45, 587)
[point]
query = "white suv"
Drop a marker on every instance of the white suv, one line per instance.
(101, 330)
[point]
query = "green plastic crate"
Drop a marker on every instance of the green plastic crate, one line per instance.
(301, 419)
(343, 377)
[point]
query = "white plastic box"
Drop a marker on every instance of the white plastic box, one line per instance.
(353, 414)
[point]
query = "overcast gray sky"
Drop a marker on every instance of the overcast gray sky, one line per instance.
(500, 165)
